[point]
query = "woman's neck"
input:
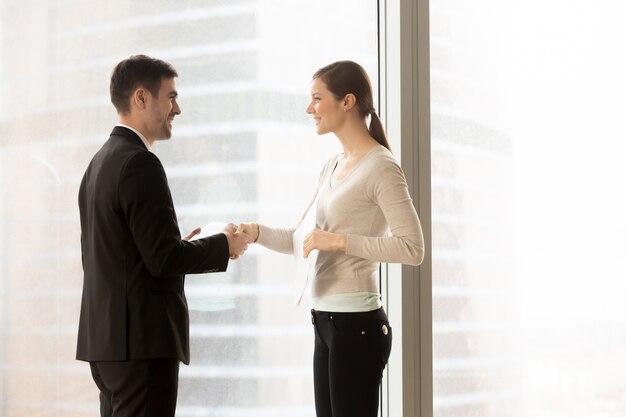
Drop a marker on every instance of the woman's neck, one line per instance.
(355, 140)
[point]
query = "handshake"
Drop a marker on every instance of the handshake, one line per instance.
(239, 237)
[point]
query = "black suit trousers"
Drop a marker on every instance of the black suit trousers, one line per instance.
(137, 388)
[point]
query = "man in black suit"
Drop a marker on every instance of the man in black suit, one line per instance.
(134, 322)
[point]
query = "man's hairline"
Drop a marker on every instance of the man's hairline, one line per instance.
(157, 90)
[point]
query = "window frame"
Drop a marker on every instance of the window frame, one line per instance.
(404, 71)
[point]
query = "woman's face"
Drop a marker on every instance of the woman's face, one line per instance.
(325, 108)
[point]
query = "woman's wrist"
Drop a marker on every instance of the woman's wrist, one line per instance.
(255, 228)
(342, 243)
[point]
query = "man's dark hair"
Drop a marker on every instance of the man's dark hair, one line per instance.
(137, 71)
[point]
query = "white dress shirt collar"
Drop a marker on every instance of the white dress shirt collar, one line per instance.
(142, 137)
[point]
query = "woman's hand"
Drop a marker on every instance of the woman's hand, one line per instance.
(324, 241)
(250, 229)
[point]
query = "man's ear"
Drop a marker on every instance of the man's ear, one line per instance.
(139, 98)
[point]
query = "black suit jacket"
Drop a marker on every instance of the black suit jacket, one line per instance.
(134, 261)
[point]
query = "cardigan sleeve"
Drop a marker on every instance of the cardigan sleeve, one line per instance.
(388, 188)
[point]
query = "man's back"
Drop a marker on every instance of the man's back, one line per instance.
(134, 260)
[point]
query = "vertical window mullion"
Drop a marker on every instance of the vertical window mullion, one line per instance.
(405, 109)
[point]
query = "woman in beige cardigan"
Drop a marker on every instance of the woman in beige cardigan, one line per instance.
(364, 216)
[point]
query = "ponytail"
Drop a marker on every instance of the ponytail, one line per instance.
(376, 130)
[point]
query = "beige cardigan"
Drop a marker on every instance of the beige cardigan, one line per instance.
(368, 203)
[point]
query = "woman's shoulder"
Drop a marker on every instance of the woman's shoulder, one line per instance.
(383, 170)
(382, 160)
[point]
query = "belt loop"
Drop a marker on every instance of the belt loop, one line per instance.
(313, 317)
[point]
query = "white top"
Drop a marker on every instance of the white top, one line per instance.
(372, 206)
(350, 302)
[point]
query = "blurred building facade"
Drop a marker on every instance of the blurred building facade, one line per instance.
(242, 150)
(476, 353)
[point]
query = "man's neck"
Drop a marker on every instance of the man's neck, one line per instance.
(138, 126)
(143, 137)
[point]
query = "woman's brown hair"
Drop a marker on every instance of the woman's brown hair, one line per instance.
(347, 77)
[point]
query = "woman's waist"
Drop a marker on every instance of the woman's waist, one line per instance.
(339, 266)
(351, 302)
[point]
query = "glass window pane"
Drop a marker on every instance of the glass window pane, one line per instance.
(243, 150)
(527, 159)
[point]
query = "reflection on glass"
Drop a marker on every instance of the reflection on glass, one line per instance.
(526, 266)
(242, 150)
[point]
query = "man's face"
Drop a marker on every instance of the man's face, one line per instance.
(162, 109)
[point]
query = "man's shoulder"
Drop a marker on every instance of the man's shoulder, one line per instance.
(121, 145)
(119, 152)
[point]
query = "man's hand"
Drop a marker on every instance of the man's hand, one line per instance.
(250, 229)
(192, 233)
(237, 242)
(324, 241)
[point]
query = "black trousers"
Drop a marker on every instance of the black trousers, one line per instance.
(138, 388)
(351, 352)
